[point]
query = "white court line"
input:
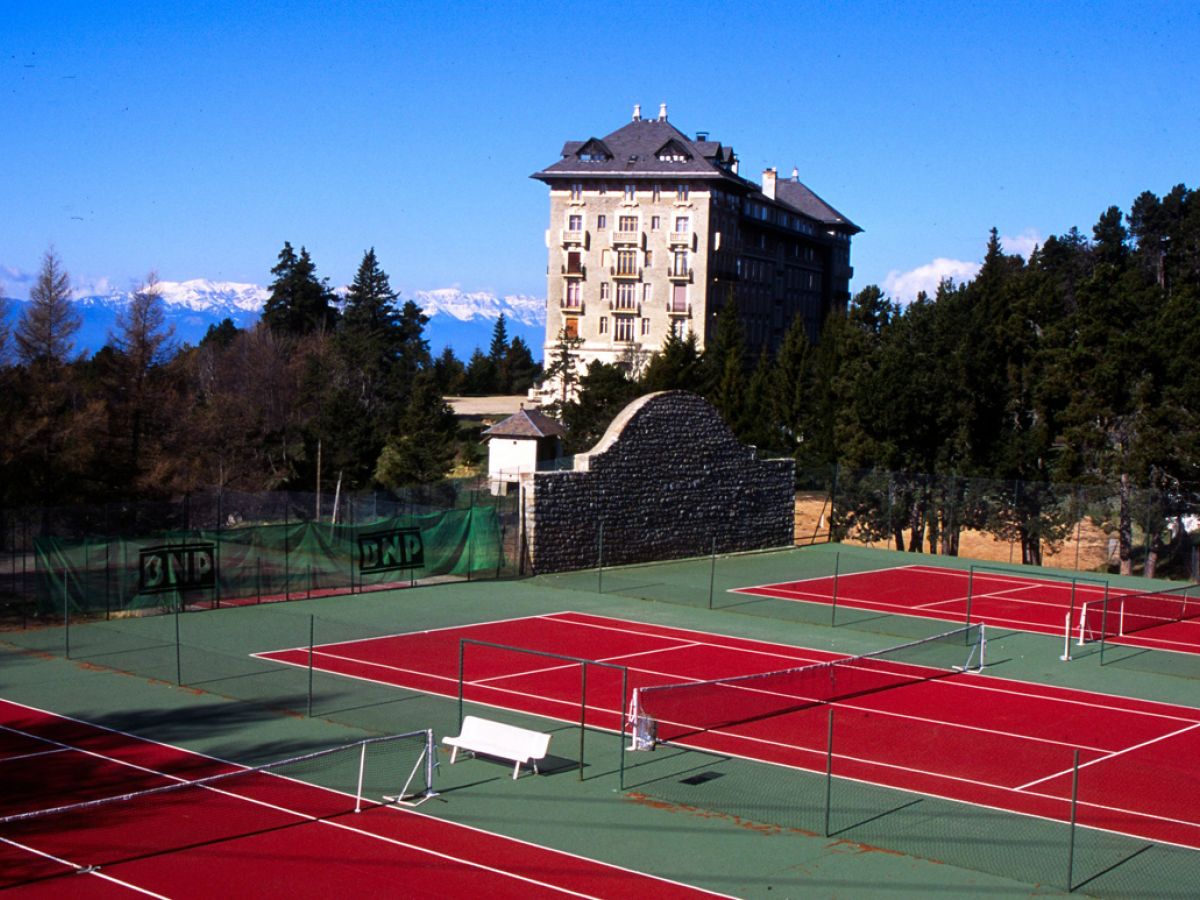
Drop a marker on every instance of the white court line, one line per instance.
(321, 821)
(841, 576)
(78, 869)
(8, 759)
(1113, 755)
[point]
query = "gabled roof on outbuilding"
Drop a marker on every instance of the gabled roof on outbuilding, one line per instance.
(526, 423)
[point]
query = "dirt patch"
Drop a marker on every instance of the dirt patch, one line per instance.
(1086, 549)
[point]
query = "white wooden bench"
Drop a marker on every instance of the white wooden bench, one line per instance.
(521, 745)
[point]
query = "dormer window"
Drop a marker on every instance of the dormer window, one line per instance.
(673, 152)
(593, 151)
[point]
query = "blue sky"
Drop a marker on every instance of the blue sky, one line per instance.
(195, 139)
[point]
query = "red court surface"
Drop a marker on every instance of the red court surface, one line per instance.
(969, 737)
(1023, 603)
(263, 835)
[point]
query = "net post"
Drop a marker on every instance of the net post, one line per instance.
(178, 652)
(582, 714)
(362, 768)
(312, 633)
(837, 567)
(430, 763)
(828, 770)
(1071, 833)
(1066, 654)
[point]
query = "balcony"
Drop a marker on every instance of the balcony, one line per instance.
(626, 237)
(681, 274)
(682, 239)
(679, 310)
(569, 305)
(571, 238)
(625, 306)
(574, 271)
(626, 273)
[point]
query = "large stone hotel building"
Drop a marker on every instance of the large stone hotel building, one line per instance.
(652, 232)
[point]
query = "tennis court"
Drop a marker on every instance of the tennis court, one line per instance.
(196, 826)
(1008, 745)
(1079, 609)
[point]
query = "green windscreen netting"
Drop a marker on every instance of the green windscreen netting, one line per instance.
(264, 562)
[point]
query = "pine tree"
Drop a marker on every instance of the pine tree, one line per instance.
(44, 334)
(422, 447)
(299, 303)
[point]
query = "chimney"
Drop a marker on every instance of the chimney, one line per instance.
(662, 112)
(795, 174)
(637, 112)
(768, 185)
(702, 136)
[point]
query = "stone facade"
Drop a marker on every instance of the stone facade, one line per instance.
(667, 478)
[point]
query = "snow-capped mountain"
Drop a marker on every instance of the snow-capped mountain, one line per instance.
(460, 320)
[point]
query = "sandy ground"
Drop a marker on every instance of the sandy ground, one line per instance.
(1085, 550)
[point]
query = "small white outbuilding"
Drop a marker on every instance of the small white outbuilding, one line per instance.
(518, 444)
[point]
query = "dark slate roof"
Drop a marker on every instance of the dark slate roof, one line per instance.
(800, 198)
(634, 148)
(527, 423)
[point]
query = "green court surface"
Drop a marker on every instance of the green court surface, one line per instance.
(756, 831)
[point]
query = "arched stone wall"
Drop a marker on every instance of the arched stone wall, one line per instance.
(666, 479)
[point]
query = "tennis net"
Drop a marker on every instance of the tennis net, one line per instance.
(670, 712)
(392, 769)
(1122, 614)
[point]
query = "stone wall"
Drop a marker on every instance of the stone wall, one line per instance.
(667, 478)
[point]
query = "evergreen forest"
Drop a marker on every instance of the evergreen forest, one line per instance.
(1077, 366)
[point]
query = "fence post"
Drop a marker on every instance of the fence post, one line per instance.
(828, 771)
(312, 640)
(600, 559)
(837, 565)
(582, 715)
(287, 575)
(712, 572)
(1071, 835)
(178, 651)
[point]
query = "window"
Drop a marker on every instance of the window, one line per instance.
(630, 192)
(657, 191)
(604, 290)
(682, 224)
(576, 191)
(626, 262)
(681, 192)
(571, 300)
(627, 223)
(646, 288)
(679, 328)
(649, 258)
(679, 298)
(604, 324)
(574, 223)
(679, 265)
(645, 327)
(571, 327)
(574, 263)
(602, 221)
(626, 295)
(655, 223)
(623, 328)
